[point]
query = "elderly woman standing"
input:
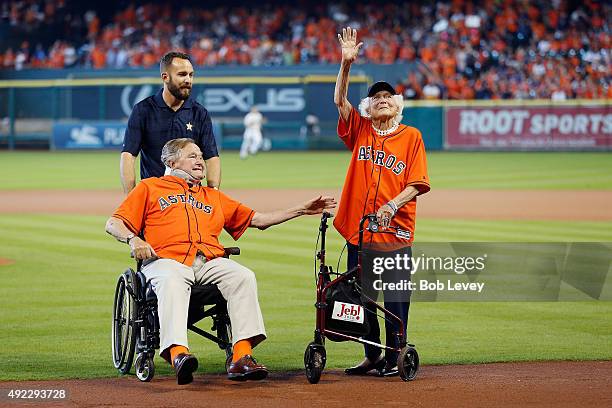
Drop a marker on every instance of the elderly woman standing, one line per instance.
(387, 171)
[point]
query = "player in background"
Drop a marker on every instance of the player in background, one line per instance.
(311, 127)
(387, 171)
(253, 139)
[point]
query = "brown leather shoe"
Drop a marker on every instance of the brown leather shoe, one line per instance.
(246, 368)
(184, 365)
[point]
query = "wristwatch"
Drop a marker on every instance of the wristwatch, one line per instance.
(127, 239)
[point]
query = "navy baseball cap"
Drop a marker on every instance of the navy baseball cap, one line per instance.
(381, 86)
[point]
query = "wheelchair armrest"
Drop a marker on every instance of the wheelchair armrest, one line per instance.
(231, 251)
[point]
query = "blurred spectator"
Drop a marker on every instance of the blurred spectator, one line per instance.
(431, 91)
(463, 49)
(558, 95)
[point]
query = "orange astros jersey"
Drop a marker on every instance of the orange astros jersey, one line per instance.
(178, 221)
(380, 168)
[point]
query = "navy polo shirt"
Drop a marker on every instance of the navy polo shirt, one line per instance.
(152, 123)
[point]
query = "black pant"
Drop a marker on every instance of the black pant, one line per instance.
(400, 309)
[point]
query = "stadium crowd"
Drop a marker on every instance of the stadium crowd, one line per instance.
(461, 49)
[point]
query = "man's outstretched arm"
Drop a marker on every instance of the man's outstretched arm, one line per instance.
(315, 206)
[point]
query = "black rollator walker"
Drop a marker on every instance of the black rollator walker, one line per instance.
(342, 296)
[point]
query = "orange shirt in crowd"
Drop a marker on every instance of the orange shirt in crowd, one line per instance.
(93, 27)
(381, 167)
(178, 221)
(98, 58)
(149, 59)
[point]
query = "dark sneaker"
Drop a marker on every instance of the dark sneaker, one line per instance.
(389, 371)
(365, 367)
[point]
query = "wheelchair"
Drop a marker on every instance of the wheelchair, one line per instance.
(135, 327)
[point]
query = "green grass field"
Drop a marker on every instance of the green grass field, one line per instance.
(56, 299)
(534, 171)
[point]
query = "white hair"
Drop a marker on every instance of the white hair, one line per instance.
(364, 107)
(171, 151)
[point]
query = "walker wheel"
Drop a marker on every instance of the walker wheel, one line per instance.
(314, 362)
(408, 363)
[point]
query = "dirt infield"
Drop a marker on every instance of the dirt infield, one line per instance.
(558, 384)
(462, 204)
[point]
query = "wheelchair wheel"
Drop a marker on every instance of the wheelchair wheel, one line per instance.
(144, 367)
(228, 362)
(314, 362)
(229, 351)
(224, 332)
(408, 363)
(124, 321)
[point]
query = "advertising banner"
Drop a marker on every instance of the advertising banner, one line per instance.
(97, 135)
(277, 102)
(94, 135)
(529, 128)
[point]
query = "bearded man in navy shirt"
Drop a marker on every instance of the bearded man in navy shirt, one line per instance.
(169, 114)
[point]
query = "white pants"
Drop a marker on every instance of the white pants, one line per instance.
(251, 142)
(172, 283)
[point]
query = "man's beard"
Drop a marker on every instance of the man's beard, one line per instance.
(177, 92)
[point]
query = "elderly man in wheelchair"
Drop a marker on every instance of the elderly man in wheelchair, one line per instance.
(180, 221)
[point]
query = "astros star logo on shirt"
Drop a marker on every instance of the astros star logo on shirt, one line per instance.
(189, 126)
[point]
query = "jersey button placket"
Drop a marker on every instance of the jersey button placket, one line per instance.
(176, 125)
(171, 123)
